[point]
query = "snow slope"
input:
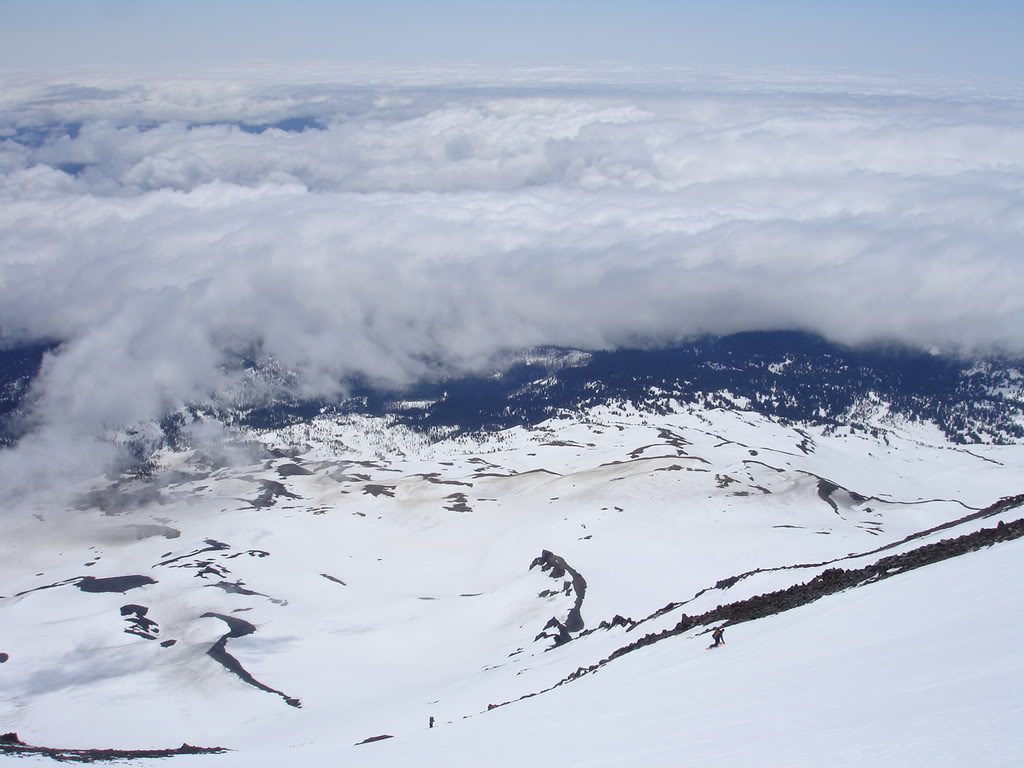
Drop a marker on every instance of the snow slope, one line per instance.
(918, 671)
(361, 580)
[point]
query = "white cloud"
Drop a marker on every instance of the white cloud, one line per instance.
(438, 226)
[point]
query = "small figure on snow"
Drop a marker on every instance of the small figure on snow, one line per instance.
(431, 721)
(717, 635)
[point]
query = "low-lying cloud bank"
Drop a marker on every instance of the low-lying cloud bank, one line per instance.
(161, 230)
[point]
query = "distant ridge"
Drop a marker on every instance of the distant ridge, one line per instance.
(793, 376)
(796, 377)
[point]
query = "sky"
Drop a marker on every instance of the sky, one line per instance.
(940, 38)
(725, 168)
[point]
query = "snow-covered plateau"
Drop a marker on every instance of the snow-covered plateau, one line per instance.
(352, 579)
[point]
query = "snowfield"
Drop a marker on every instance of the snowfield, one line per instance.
(351, 580)
(921, 671)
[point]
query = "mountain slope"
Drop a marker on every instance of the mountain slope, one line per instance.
(916, 671)
(375, 579)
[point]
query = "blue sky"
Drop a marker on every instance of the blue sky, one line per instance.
(941, 37)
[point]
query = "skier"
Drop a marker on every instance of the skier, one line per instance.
(717, 634)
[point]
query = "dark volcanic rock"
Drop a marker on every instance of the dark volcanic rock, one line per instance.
(379, 490)
(138, 624)
(556, 567)
(372, 739)
(219, 652)
(291, 470)
(212, 545)
(825, 490)
(435, 477)
(92, 584)
(561, 635)
(460, 503)
(272, 491)
(113, 584)
(10, 744)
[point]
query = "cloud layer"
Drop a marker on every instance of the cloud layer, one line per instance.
(420, 230)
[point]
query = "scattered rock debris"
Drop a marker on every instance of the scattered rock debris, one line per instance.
(10, 744)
